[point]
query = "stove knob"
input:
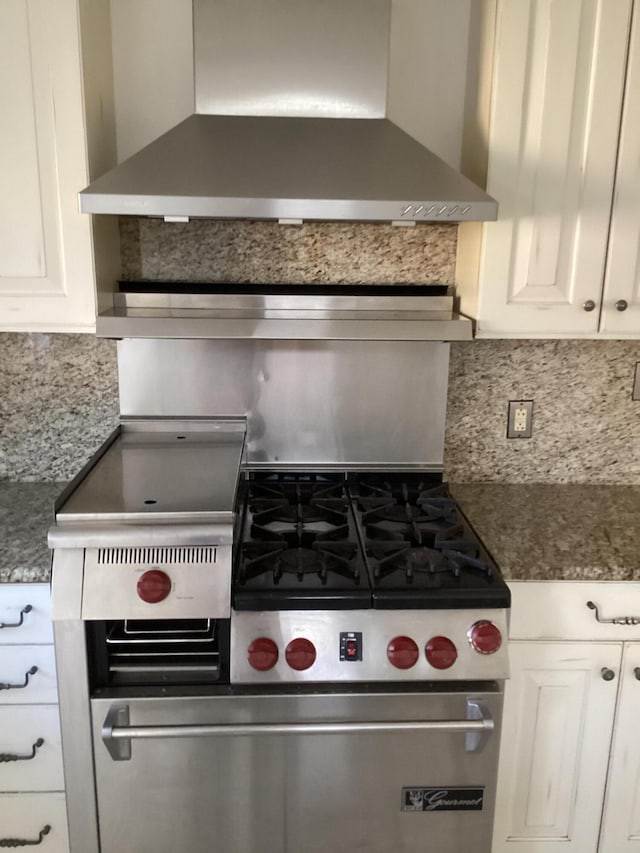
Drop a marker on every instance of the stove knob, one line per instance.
(300, 654)
(441, 652)
(153, 586)
(262, 654)
(402, 652)
(485, 637)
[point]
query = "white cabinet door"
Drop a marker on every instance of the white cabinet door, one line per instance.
(46, 256)
(622, 281)
(621, 822)
(558, 82)
(558, 720)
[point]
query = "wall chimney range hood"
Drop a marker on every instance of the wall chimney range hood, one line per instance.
(290, 124)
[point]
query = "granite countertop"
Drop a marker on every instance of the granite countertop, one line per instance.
(557, 532)
(26, 512)
(533, 532)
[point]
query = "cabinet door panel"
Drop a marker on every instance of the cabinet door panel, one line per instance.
(557, 100)
(622, 279)
(46, 258)
(621, 823)
(557, 725)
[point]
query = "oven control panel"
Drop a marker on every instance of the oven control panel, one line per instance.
(351, 645)
(368, 645)
(157, 583)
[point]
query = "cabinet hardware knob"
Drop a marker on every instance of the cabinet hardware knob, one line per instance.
(27, 676)
(589, 305)
(636, 672)
(607, 674)
(26, 609)
(622, 305)
(11, 756)
(21, 842)
(617, 620)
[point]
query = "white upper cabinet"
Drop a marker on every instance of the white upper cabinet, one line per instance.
(622, 280)
(553, 129)
(47, 270)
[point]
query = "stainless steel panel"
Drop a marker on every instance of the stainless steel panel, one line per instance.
(179, 323)
(168, 471)
(77, 743)
(354, 403)
(378, 628)
(67, 573)
(350, 317)
(294, 793)
(303, 304)
(288, 168)
(200, 588)
(292, 57)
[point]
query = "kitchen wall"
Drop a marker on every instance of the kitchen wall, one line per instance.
(58, 397)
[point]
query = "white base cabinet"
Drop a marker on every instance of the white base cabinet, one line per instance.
(32, 800)
(621, 817)
(570, 753)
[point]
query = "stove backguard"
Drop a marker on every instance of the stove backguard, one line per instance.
(321, 403)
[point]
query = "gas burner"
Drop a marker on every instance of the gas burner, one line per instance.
(280, 510)
(298, 535)
(389, 558)
(405, 513)
(395, 488)
(299, 561)
(293, 491)
(276, 561)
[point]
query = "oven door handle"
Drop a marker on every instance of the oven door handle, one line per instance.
(117, 734)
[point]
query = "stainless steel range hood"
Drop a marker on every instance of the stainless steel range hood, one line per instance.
(306, 81)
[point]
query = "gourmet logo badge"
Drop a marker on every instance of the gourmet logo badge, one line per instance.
(442, 799)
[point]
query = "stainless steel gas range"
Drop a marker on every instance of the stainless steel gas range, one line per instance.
(275, 630)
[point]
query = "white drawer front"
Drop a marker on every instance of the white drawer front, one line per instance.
(36, 624)
(15, 662)
(24, 816)
(558, 610)
(21, 726)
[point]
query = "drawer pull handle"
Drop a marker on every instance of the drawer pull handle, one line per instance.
(23, 842)
(617, 620)
(27, 676)
(26, 609)
(10, 756)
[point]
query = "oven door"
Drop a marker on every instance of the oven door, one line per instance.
(370, 771)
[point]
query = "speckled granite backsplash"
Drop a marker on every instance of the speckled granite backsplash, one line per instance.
(586, 427)
(327, 252)
(58, 402)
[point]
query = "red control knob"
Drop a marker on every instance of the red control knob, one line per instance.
(485, 637)
(262, 654)
(441, 652)
(153, 586)
(300, 654)
(402, 652)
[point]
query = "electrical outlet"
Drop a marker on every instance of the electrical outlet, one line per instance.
(519, 419)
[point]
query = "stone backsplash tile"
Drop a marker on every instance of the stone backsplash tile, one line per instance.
(58, 402)
(269, 253)
(586, 427)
